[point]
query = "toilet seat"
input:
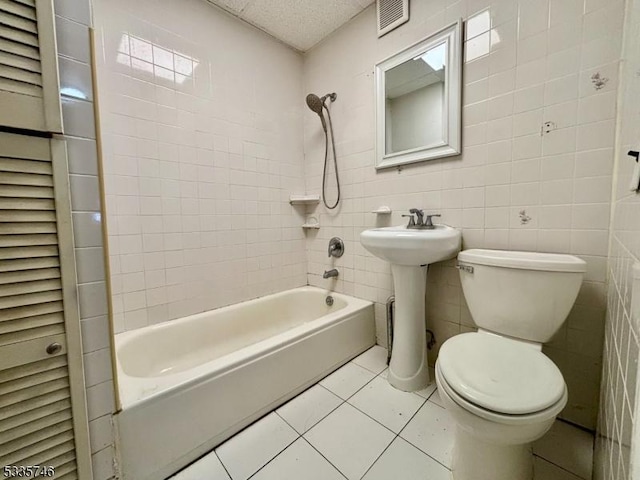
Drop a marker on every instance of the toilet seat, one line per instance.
(500, 418)
(501, 376)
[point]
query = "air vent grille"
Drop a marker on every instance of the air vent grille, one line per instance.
(391, 14)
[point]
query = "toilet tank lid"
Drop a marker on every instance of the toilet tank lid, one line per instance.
(548, 262)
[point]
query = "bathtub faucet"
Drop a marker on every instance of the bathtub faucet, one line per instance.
(330, 273)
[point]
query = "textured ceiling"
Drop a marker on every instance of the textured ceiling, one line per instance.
(298, 23)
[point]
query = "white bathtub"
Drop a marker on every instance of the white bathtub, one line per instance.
(188, 385)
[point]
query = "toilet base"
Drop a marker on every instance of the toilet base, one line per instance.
(474, 459)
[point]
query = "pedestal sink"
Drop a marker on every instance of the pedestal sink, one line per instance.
(410, 251)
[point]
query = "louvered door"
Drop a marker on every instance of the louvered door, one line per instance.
(29, 85)
(42, 402)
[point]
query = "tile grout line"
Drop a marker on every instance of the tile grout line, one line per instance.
(432, 458)
(299, 435)
(221, 463)
(415, 446)
(320, 453)
(378, 457)
(345, 401)
(316, 423)
(425, 400)
(396, 434)
(559, 466)
(275, 456)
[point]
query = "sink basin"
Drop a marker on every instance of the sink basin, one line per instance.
(404, 246)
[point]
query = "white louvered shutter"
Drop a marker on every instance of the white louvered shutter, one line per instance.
(36, 421)
(29, 86)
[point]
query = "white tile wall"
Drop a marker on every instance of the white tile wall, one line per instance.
(526, 63)
(72, 29)
(202, 125)
(618, 398)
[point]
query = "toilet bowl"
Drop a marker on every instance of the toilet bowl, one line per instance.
(500, 389)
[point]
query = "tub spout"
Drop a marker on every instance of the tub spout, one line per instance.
(330, 273)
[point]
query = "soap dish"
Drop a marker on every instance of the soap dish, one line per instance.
(311, 223)
(304, 199)
(383, 210)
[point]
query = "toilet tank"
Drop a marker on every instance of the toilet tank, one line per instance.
(524, 295)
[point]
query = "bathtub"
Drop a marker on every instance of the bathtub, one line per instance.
(189, 384)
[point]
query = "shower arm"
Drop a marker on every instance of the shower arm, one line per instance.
(330, 96)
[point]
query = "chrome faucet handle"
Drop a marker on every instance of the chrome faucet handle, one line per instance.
(412, 222)
(420, 214)
(336, 247)
(428, 223)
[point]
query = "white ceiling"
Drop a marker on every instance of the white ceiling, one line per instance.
(298, 23)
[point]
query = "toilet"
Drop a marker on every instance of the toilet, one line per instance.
(500, 389)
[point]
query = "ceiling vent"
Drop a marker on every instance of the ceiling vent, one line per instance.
(391, 14)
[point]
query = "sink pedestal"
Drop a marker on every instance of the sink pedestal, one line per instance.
(408, 369)
(409, 251)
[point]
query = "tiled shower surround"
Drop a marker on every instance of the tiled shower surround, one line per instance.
(202, 125)
(515, 186)
(618, 414)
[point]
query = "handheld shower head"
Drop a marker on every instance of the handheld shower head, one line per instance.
(316, 104)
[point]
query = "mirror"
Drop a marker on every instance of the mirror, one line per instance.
(418, 101)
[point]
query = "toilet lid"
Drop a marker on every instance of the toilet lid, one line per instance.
(499, 374)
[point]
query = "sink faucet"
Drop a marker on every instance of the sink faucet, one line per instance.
(330, 273)
(424, 222)
(418, 213)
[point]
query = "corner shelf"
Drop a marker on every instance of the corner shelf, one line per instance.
(311, 223)
(311, 226)
(304, 199)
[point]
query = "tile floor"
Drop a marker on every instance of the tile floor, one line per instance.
(354, 425)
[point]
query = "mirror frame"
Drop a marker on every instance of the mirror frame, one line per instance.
(452, 111)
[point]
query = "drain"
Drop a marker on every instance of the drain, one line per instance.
(329, 300)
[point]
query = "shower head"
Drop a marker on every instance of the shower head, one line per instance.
(316, 104)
